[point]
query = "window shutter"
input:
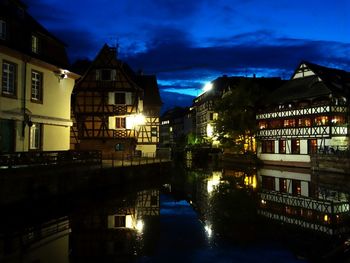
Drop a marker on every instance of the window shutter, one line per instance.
(111, 98)
(98, 74)
(128, 98)
(113, 74)
(111, 123)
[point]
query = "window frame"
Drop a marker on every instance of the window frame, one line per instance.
(120, 123)
(38, 85)
(35, 46)
(295, 146)
(34, 138)
(12, 94)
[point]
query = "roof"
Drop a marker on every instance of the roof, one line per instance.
(324, 82)
(21, 26)
(151, 92)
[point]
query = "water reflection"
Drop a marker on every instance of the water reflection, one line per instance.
(295, 197)
(116, 230)
(43, 242)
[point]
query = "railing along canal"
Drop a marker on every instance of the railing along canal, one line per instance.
(44, 158)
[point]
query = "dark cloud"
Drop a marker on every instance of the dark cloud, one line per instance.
(278, 53)
(171, 100)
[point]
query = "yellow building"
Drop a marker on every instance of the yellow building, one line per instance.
(36, 86)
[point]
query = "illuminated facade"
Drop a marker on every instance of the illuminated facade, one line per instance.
(307, 114)
(116, 111)
(36, 86)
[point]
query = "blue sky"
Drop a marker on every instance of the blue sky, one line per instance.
(187, 43)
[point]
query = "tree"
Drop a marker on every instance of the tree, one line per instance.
(236, 124)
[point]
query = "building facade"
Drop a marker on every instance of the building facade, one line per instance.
(116, 111)
(35, 84)
(309, 113)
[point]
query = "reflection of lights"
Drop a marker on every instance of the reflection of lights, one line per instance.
(250, 181)
(208, 230)
(139, 225)
(213, 181)
(263, 202)
(325, 218)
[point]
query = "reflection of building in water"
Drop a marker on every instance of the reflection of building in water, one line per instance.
(294, 197)
(206, 186)
(116, 230)
(45, 242)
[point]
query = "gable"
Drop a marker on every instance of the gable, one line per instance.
(302, 72)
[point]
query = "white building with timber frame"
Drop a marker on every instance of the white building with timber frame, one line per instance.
(309, 113)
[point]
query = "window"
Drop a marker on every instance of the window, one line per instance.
(9, 78)
(120, 123)
(119, 221)
(282, 146)
(321, 120)
(106, 74)
(262, 125)
(283, 185)
(312, 146)
(119, 98)
(37, 86)
(35, 44)
(154, 132)
(154, 200)
(295, 146)
(304, 122)
(289, 123)
(119, 147)
(2, 29)
(268, 183)
(296, 187)
(268, 146)
(35, 137)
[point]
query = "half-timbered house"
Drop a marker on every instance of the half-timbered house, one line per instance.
(307, 114)
(116, 111)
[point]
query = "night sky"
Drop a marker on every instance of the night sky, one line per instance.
(187, 43)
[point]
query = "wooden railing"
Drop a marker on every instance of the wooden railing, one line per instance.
(44, 158)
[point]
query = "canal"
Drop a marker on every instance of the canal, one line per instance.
(225, 214)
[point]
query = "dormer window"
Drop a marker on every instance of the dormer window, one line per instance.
(2, 29)
(35, 44)
(106, 74)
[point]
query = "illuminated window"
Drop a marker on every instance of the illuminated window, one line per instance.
(312, 146)
(296, 187)
(35, 44)
(321, 120)
(262, 125)
(304, 122)
(9, 78)
(35, 137)
(120, 123)
(2, 29)
(282, 146)
(275, 124)
(283, 185)
(295, 146)
(37, 86)
(338, 120)
(289, 123)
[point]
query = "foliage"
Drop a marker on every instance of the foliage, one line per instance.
(236, 110)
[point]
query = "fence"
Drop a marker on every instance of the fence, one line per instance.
(132, 160)
(44, 158)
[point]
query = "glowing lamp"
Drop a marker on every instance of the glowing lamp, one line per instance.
(208, 86)
(139, 225)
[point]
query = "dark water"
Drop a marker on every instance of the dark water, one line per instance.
(193, 215)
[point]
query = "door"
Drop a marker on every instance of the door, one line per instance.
(7, 136)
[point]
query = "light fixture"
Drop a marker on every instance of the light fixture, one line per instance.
(61, 74)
